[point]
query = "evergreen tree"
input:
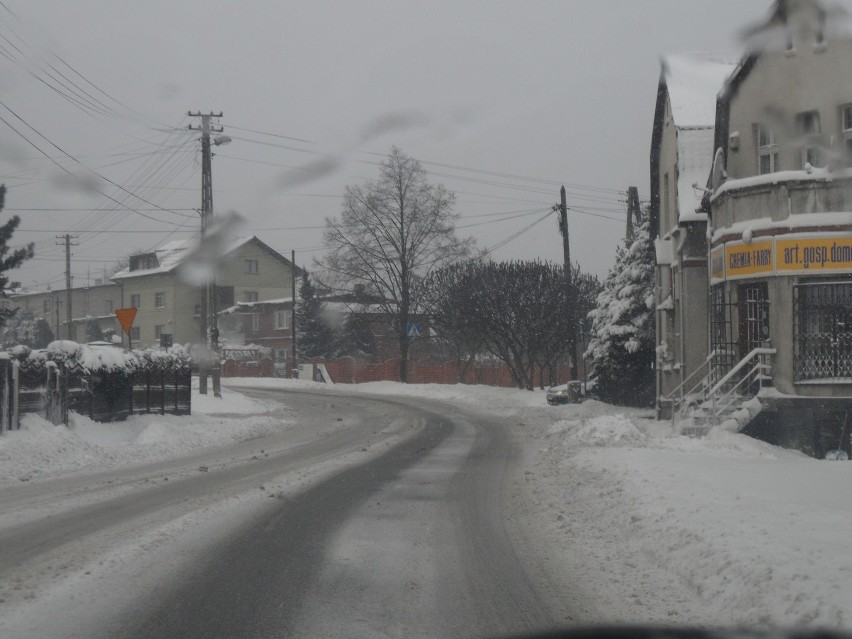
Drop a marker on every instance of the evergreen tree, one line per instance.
(9, 260)
(356, 336)
(623, 326)
(316, 338)
(42, 334)
(20, 328)
(93, 330)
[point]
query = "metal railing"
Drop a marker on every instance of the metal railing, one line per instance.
(727, 391)
(734, 388)
(683, 394)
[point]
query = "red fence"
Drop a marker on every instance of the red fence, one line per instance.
(350, 371)
(239, 368)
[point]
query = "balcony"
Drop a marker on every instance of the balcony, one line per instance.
(785, 201)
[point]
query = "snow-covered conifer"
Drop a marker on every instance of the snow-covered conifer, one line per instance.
(623, 326)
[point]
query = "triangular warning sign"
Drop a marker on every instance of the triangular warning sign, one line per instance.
(125, 318)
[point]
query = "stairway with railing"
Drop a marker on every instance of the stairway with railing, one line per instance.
(712, 397)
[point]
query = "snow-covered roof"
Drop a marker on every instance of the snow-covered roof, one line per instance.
(693, 81)
(694, 162)
(171, 254)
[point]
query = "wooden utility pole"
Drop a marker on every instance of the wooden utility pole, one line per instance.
(209, 328)
(293, 310)
(634, 211)
(566, 252)
(66, 241)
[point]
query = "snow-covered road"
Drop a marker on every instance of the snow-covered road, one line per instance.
(600, 514)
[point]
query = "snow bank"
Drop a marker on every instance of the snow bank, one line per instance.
(41, 450)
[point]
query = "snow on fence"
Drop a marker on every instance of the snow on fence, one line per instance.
(99, 380)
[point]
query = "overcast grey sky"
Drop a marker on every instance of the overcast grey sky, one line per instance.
(502, 101)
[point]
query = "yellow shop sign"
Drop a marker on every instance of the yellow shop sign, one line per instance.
(806, 255)
(746, 260)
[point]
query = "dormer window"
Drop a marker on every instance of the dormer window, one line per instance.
(808, 127)
(767, 150)
(143, 261)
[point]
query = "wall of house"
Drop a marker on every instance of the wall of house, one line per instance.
(148, 315)
(782, 85)
(96, 301)
(186, 322)
(668, 174)
(272, 280)
(757, 210)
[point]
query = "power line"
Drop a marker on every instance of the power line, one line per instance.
(81, 164)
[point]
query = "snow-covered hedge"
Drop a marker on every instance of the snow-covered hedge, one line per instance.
(102, 356)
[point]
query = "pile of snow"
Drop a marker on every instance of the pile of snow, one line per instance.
(41, 450)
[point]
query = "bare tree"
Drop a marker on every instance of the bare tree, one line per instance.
(517, 311)
(391, 234)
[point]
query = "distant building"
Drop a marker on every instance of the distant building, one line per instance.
(251, 271)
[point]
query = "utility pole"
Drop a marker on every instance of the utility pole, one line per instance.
(634, 211)
(209, 329)
(293, 310)
(66, 241)
(566, 252)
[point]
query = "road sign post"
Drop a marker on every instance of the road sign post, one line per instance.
(125, 319)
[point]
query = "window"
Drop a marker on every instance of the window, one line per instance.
(144, 261)
(136, 300)
(46, 307)
(846, 123)
(767, 150)
(250, 296)
(822, 329)
(134, 333)
(255, 322)
(807, 124)
(159, 329)
(281, 354)
(108, 307)
(159, 300)
(282, 320)
(251, 267)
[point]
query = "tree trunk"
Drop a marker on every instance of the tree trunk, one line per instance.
(403, 356)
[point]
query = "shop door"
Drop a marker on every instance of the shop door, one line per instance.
(754, 317)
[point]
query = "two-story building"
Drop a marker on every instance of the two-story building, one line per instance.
(781, 236)
(249, 271)
(681, 157)
(98, 301)
(778, 201)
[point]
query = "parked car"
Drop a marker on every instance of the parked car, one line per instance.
(571, 393)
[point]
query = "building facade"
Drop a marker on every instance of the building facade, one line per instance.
(681, 157)
(781, 236)
(777, 285)
(98, 302)
(166, 304)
